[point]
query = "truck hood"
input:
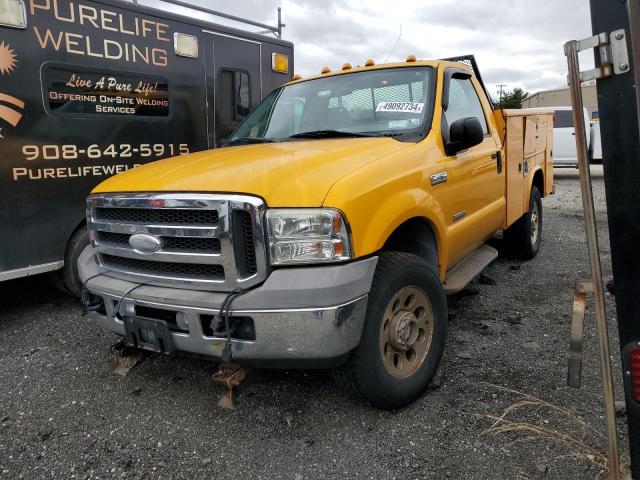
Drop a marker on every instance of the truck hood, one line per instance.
(285, 174)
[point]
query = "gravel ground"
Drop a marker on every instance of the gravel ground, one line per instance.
(63, 414)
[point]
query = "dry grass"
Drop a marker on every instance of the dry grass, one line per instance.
(571, 431)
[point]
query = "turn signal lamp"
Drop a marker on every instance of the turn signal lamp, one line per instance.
(13, 13)
(411, 58)
(297, 76)
(280, 62)
(346, 66)
(369, 62)
(634, 373)
(325, 70)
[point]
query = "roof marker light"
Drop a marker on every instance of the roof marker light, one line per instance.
(297, 76)
(346, 66)
(185, 45)
(411, 58)
(325, 70)
(369, 62)
(280, 62)
(13, 13)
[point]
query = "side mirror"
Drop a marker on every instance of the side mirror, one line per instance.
(464, 133)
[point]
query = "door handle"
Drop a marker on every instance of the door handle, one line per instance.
(498, 158)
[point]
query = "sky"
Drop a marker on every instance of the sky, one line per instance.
(518, 43)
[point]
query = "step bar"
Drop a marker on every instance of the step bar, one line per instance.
(465, 271)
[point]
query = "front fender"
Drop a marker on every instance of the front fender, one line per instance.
(379, 198)
(373, 220)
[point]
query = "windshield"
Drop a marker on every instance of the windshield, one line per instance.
(389, 102)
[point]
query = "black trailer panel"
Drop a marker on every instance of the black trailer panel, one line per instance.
(92, 88)
(621, 159)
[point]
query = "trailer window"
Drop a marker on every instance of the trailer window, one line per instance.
(234, 96)
(464, 102)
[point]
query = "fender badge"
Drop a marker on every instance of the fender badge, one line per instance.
(438, 178)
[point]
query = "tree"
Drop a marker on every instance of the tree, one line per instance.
(512, 98)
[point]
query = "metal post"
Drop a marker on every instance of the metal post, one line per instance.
(280, 22)
(571, 51)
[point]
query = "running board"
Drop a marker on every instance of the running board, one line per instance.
(465, 271)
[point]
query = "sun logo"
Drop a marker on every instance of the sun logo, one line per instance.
(8, 59)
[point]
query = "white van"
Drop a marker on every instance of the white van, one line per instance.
(564, 137)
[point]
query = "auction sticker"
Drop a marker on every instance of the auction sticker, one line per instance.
(409, 107)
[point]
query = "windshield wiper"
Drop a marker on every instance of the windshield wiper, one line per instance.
(330, 134)
(249, 140)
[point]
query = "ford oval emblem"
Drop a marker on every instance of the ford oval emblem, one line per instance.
(145, 243)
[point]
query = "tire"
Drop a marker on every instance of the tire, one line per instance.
(374, 376)
(67, 279)
(523, 237)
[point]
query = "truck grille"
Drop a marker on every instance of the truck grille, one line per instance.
(177, 244)
(170, 217)
(147, 267)
(245, 254)
(202, 241)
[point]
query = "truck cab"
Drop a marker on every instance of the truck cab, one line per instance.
(328, 231)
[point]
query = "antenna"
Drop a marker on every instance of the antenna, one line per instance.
(395, 44)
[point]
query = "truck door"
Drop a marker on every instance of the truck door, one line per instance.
(474, 175)
(234, 83)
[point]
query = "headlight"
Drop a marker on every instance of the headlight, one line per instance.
(310, 235)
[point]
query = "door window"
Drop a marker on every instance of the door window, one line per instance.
(463, 102)
(234, 96)
(563, 119)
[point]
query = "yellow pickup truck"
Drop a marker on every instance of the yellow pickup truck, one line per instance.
(328, 231)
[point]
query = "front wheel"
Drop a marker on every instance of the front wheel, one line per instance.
(404, 333)
(67, 279)
(523, 237)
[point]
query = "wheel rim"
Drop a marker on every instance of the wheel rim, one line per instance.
(535, 223)
(406, 332)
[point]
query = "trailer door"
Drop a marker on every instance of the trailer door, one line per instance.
(234, 83)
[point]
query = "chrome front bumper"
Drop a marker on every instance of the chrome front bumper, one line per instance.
(299, 314)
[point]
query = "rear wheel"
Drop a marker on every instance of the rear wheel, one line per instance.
(523, 237)
(404, 333)
(67, 279)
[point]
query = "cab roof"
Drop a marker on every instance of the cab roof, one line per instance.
(382, 66)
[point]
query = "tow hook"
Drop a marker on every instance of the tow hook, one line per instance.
(230, 375)
(124, 357)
